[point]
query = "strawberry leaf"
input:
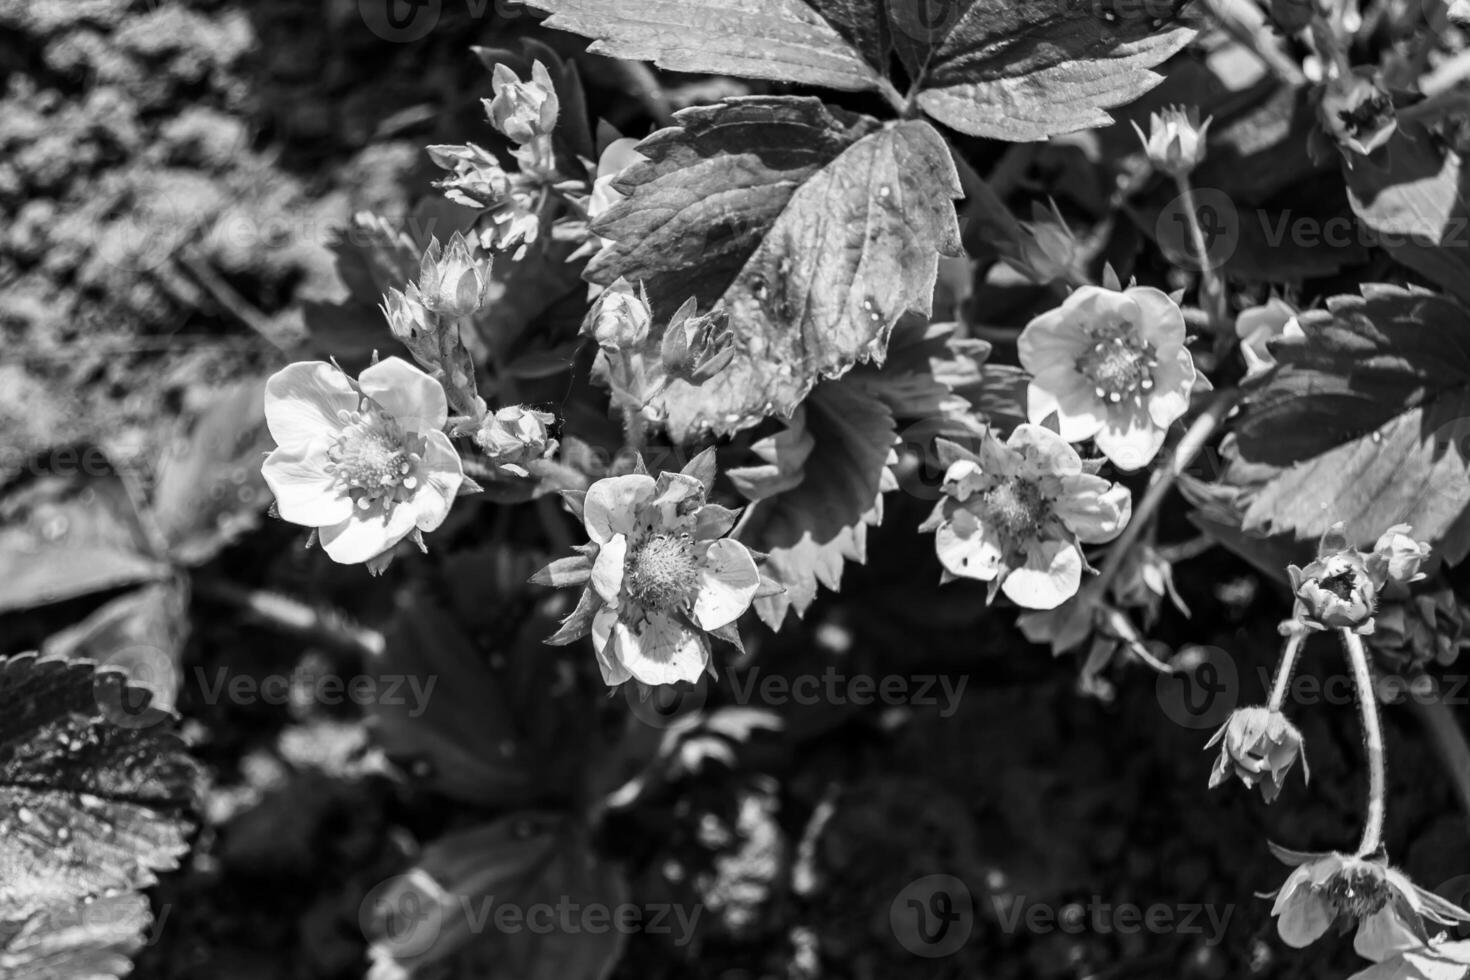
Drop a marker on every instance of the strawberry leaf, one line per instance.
(782, 40)
(1026, 71)
(1364, 422)
(95, 793)
(815, 228)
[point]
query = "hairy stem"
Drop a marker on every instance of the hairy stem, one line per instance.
(1212, 285)
(1357, 657)
(1294, 641)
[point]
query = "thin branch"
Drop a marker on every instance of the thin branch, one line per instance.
(1367, 693)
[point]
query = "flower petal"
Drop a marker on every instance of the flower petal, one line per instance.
(305, 492)
(607, 569)
(1302, 916)
(1130, 439)
(302, 401)
(1067, 393)
(1160, 321)
(442, 473)
(611, 505)
(1051, 575)
(1093, 509)
(975, 555)
(1050, 339)
(728, 581)
(1043, 452)
(416, 400)
(661, 650)
(1173, 382)
(1383, 933)
(359, 538)
(604, 644)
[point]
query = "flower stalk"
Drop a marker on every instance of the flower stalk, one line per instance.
(1372, 841)
(1295, 637)
(1212, 286)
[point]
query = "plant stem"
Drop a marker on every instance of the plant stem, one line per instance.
(1357, 656)
(1294, 641)
(1184, 453)
(1212, 286)
(292, 616)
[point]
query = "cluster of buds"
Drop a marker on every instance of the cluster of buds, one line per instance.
(1259, 746)
(1175, 142)
(515, 436)
(479, 181)
(1341, 589)
(526, 113)
(1413, 632)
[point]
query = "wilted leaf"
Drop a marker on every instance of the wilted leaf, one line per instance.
(71, 530)
(815, 228)
(1365, 422)
(1026, 71)
(810, 530)
(95, 796)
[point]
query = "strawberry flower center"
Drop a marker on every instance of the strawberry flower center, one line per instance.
(374, 460)
(1357, 892)
(1017, 510)
(1119, 363)
(662, 573)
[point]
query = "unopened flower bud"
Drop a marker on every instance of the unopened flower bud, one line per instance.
(407, 317)
(620, 318)
(1259, 746)
(1420, 630)
(1397, 557)
(1048, 249)
(1176, 140)
(1337, 591)
(1258, 326)
(514, 436)
(451, 283)
(696, 348)
(523, 110)
(1357, 111)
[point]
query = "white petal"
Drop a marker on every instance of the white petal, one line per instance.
(442, 473)
(302, 401)
(357, 539)
(607, 569)
(305, 492)
(1051, 575)
(1071, 396)
(604, 645)
(1173, 380)
(1043, 452)
(1050, 339)
(406, 393)
(1093, 509)
(976, 555)
(1131, 440)
(728, 581)
(612, 503)
(661, 650)
(1303, 919)
(1160, 321)
(1382, 934)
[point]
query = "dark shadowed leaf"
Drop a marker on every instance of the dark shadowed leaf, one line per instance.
(1366, 422)
(69, 529)
(442, 912)
(816, 229)
(1411, 195)
(95, 796)
(810, 530)
(141, 633)
(1026, 71)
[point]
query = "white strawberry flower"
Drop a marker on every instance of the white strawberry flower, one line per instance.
(1112, 366)
(1015, 514)
(366, 464)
